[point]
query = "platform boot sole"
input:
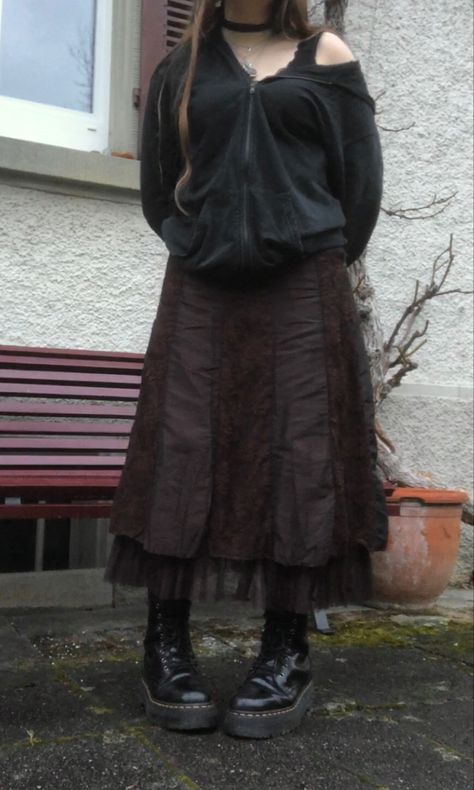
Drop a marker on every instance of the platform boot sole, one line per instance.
(178, 716)
(269, 723)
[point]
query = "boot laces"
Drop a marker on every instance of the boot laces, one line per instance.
(174, 643)
(276, 644)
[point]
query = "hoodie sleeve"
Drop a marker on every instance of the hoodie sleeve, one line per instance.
(160, 155)
(363, 176)
(355, 163)
(354, 154)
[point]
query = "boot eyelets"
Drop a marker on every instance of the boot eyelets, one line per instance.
(283, 646)
(170, 672)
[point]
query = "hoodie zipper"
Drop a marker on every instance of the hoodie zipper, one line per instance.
(246, 160)
(245, 226)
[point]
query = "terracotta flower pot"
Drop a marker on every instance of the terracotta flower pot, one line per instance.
(422, 548)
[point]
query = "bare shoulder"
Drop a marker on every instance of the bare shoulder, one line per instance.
(332, 49)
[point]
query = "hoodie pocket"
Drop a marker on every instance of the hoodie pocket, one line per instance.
(256, 223)
(276, 228)
(210, 236)
(178, 232)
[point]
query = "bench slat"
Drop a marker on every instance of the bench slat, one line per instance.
(31, 409)
(70, 428)
(75, 459)
(58, 391)
(59, 376)
(86, 474)
(58, 461)
(59, 443)
(61, 478)
(40, 363)
(72, 353)
(55, 510)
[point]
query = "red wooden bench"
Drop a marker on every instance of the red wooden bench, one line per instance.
(63, 434)
(65, 420)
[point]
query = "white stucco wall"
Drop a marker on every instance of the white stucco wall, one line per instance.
(420, 55)
(417, 58)
(85, 272)
(77, 272)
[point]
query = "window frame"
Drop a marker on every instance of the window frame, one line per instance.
(48, 124)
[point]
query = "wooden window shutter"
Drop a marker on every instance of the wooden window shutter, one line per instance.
(163, 22)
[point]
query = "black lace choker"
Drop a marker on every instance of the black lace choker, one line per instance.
(244, 27)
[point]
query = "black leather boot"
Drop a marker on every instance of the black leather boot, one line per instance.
(173, 692)
(278, 688)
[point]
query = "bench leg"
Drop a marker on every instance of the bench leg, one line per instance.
(39, 544)
(321, 622)
(88, 543)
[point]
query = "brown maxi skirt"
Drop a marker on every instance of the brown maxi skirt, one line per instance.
(251, 468)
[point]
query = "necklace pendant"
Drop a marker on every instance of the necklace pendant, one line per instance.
(250, 68)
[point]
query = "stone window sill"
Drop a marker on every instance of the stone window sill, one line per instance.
(67, 171)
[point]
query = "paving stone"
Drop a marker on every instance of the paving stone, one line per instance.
(392, 707)
(386, 752)
(448, 642)
(111, 761)
(14, 647)
(112, 685)
(116, 685)
(449, 723)
(387, 675)
(32, 701)
(212, 759)
(216, 761)
(58, 622)
(324, 749)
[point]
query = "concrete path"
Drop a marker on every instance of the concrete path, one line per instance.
(393, 706)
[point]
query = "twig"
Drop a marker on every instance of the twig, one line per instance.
(402, 213)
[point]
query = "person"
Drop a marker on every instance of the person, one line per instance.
(251, 467)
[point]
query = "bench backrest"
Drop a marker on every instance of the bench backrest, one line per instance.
(65, 413)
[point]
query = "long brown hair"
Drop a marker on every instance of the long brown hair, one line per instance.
(289, 17)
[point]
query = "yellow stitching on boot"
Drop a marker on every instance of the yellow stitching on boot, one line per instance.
(273, 712)
(175, 705)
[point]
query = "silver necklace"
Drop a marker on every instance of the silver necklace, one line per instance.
(246, 62)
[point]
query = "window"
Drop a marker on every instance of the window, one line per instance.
(55, 71)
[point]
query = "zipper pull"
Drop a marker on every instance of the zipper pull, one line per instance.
(252, 87)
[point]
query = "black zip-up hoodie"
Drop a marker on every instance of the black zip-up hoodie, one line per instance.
(281, 167)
